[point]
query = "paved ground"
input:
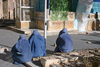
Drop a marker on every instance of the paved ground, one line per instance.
(8, 38)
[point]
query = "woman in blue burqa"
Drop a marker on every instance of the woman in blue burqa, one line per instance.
(38, 45)
(21, 51)
(64, 42)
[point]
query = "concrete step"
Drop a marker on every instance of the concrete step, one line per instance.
(49, 33)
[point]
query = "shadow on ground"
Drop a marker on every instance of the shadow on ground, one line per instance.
(92, 41)
(6, 56)
(94, 34)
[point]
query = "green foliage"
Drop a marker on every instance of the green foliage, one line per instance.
(61, 5)
(60, 8)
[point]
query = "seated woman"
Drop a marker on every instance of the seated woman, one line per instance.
(64, 42)
(38, 45)
(21, 51)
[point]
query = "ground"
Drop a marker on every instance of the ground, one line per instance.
(81, 41)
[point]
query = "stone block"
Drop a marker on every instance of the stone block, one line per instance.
(73, 53)
(47, 61)
(25, 25)
(71, 16)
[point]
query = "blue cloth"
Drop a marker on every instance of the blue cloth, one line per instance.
(64, 42)
(21, 51)
(38, 45)
(96, 0)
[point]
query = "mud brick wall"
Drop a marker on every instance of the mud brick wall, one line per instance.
(58, 25)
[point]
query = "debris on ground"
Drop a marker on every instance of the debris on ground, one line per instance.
(3, 49)
(82, 58)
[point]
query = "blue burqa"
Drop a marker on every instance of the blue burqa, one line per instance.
(64, 42)
(38, 45)
(21, 51)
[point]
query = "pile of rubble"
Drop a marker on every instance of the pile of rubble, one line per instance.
(82, 58)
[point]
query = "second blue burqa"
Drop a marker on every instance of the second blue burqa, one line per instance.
(64, 42)
(21, 51)
(38, 45)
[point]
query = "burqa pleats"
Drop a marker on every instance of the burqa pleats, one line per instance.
(64, 42)
(21, 51)
(38, 45)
